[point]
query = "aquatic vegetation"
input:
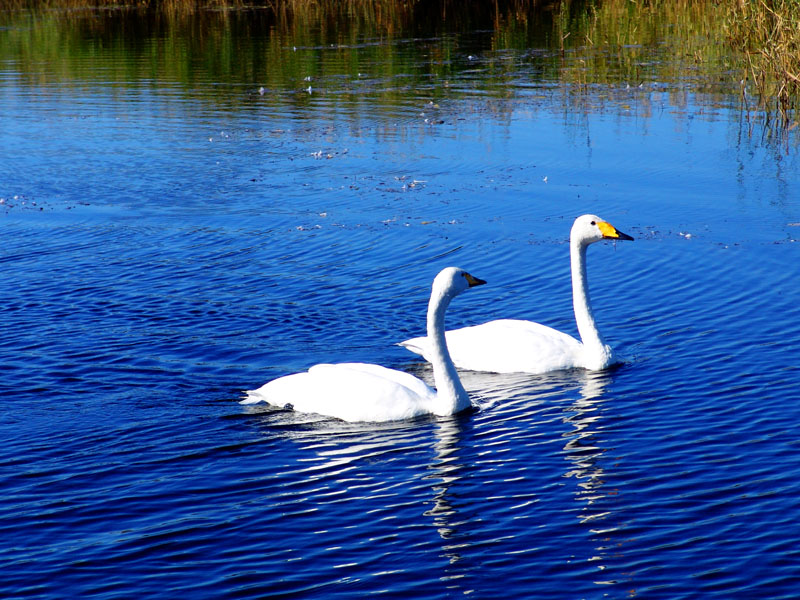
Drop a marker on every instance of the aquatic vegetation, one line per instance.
(768, 34)
(755, 44)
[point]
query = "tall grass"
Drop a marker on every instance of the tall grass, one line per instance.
(767, 32)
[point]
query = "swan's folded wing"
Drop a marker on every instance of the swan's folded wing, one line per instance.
(508, 346)
(348, 391)
(407, 380)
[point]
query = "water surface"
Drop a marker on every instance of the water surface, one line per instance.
(191, 208)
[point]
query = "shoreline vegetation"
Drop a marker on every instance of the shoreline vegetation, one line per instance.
(767, 34)
(758, 41)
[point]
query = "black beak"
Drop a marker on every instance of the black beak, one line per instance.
(473, 281)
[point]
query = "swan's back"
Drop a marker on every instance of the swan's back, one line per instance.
(349, 391)
(508, 346)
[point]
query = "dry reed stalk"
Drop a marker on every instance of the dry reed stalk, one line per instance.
(768, 33)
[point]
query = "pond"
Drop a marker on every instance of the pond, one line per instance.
(194, 204)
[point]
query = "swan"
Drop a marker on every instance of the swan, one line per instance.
(510, 345)
(367, 392)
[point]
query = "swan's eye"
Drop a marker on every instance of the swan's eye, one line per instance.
(593, 223)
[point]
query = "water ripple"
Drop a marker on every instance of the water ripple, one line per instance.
(230, 236)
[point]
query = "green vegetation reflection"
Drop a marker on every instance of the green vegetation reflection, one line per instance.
(386, 48)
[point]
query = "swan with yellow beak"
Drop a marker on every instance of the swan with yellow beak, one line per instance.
(514, 346)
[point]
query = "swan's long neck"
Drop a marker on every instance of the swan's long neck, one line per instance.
(451, 397)
(587, 327)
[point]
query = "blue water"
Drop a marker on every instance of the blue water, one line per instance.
(164, 250)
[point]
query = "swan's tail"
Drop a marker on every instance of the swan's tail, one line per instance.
(416, 345)
(252, 397)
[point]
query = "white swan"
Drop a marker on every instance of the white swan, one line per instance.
(365, 392)
(510, 346)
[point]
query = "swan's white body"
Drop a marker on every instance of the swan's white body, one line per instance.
(510, 345)
(366, 392)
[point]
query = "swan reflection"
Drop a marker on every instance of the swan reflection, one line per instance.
(446, 469)
(439, 466)
(582, 448)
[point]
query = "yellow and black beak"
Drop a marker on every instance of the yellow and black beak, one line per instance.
(473, 281)
(610, 232)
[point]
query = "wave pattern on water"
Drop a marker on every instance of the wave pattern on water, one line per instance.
(170, 247)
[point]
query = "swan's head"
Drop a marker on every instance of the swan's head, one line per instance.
(452, 281)
(588, 229)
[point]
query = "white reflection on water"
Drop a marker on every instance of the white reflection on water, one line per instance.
(584, 449)
(446, 470)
